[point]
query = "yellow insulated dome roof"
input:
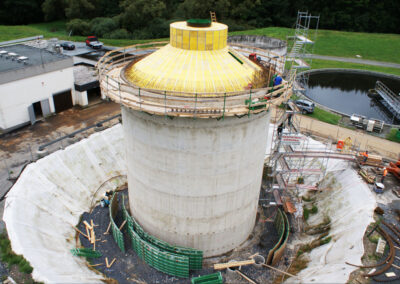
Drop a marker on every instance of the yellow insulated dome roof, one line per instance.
(197, 60)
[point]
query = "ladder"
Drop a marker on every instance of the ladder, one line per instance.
(213, 16)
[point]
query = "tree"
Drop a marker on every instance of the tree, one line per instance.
(80, 9)
(201, 9)
(54, 9)
(20, 12)
(139, 13)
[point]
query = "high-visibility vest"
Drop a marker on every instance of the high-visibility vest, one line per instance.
(365, 154)
(384, 172)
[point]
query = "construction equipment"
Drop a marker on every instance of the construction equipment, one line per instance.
(213, 16)
(253, 57)
(394, 169)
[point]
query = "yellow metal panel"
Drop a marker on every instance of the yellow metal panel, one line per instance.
(193, 40)
(179, 38)
(201, 40)
(186, 40)
(216, 40)
(209, 40)
(201, 66)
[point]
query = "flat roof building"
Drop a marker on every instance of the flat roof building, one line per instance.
(34, 83)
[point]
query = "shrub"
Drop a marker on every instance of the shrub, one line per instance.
(78, 27)
(314, 209)
(118, 34)
(25, 267)
(8, 256)
(102, 26)
(306, 213)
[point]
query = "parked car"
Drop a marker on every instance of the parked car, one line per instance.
(68, 45)
(305, 106)
(93, 42)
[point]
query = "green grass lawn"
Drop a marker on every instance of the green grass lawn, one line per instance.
(380, 47)
(325, 116)
(393, 135)
(56, 29)
(318, 64)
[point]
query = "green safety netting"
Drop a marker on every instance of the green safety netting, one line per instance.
(116, 232)
(86, 252)
(214, 278)
(195, 256)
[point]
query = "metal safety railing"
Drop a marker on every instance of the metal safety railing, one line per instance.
(171, 103)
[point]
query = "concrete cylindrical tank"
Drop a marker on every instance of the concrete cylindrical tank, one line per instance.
(195, 182)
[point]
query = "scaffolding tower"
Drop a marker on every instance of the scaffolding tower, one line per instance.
(302, 47)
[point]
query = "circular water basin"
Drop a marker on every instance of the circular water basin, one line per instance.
(347, 91)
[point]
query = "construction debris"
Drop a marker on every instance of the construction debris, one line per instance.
(373, 160)
(380, 248)
(219, 266)
(85, 252)
(368, 178)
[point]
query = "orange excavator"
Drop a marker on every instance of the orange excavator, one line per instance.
(394, 168)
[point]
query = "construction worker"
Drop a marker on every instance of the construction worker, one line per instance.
(384, 174)
(365, 154)
(280, 129)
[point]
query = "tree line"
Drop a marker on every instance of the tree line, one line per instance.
(151, 18)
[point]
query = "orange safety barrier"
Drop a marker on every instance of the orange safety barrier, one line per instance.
(340, 144)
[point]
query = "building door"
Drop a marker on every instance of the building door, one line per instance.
(31, 114)
(45, 107)
(62, 101)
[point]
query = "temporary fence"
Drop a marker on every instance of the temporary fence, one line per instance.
(282, 226)
(195, 256)
(214, 278)
(165, 261)
(116, 232)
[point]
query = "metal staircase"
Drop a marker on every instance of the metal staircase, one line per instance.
(302, 47)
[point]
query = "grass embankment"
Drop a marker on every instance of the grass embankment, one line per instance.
(318, 64)
(58, 30)
(393, 135)
(325, 116)
(372, 46)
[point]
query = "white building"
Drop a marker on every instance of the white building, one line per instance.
(34, 83)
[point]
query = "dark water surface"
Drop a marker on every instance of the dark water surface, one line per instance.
(347, 92)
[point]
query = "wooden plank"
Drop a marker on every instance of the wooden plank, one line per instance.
(219, 266)
(87, 224)
(112, 262)
(245, 277)
(277, 197)
(123, 224)
(276, 269)
(108, 229)
(76, 229)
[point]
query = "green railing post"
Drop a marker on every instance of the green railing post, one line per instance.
(223, 111)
